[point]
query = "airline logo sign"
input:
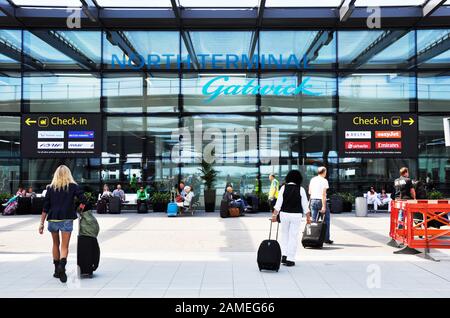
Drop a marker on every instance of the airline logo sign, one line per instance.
(61, 135)
(81, 145)
(383, 135)
(50, 134)
(50, 145)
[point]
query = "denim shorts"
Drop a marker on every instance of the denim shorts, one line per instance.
(63, 226)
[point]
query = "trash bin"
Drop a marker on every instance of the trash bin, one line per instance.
(361, 206)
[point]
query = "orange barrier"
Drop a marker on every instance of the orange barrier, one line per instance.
(418, 226)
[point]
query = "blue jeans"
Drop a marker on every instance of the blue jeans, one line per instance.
(316, 206)
(238, 204)
(63, 226)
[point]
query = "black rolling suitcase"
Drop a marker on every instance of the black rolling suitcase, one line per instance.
(224, 209)
(88, 255)
(23, 206)
(314, 233)
(269, 253)
(115, 205)
(102, 206)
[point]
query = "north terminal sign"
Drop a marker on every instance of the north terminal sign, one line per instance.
(61, 135)
(377, 135)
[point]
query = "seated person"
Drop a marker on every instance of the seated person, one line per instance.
(234, 200)
(141, 197)
(181, 192)
(189, 194)
(106, 194)
(372, 198)
(385, 199)
(30, 193)
(118, 192)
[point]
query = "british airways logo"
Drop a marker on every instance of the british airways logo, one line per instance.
(81, 134)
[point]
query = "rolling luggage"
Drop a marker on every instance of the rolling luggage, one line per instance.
(36, 205)
(115, 205)
(172, 209)
(142, 207)
(234, 212)
(224, 209)
(23, 206)
(88, 250)
(102, 206)
(314, 233)
(269, 253)
(88, 255)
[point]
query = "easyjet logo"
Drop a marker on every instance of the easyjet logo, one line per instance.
(388, 134)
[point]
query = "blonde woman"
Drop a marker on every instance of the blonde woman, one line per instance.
(59, 211)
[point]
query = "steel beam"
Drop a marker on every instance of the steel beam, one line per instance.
(119, 39)
(435, 49)
(90, 9)
(322, 38)
(430, 6)
(14, 53)
(382, 42)
(57, 41)
(346, 9)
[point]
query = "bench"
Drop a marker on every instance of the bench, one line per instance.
(193, 205)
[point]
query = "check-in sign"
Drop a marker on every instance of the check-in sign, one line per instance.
(61, 135)
(377, 135)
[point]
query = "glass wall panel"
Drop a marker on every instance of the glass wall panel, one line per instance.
(10, 49)
(9, 175)
(376, 92)
(38, 173)
(318, 94)
(434, 92)
(141, 93)
(301, 136)
(9, 136)
(393, 49)
(61, 92)
(436, 171)
(432, 48)
(431, 137)
(10, 92)
(220, 50)
(218, 93)
(297, 49)
(357, 175)
(135, 49)
(52, 49)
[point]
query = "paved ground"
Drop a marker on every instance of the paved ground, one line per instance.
(205, 256)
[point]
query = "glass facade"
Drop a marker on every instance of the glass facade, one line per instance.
(350, 71)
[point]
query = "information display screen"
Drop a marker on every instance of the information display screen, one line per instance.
(61, 135)
(381, 135)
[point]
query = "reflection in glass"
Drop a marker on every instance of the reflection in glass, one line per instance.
(372, 92)
(136, 92)
(9, 175)
(431, 137)
(62, 92)
(432, 48)
(10, 49)
(433, 92)
(10, 92)
(9, 136)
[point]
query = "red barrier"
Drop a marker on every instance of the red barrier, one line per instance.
(418, 228)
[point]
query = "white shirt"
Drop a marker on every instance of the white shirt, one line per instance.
(279, 203)
(316, 187)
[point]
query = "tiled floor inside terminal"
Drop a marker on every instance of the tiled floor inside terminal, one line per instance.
(206, 256)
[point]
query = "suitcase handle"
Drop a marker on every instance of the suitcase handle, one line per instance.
(270, 231)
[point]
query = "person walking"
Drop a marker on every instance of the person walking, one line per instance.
(59, 211)
(290, 206)
(273, 192)
(404, 190)
(318, 187)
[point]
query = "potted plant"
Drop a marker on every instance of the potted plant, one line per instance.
(348, 201)
(435, 195)
(159, 201)
(263, 202)
(208, 175)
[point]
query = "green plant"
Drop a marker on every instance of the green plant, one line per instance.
(435, 195)
(347, 196)
(160, 197)
(208, 174)
(90, 197)
(263, 197)
(4, 196)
